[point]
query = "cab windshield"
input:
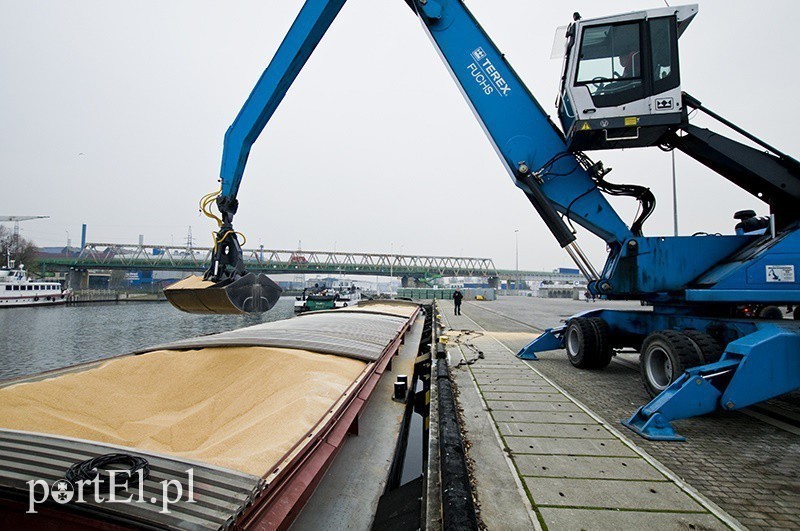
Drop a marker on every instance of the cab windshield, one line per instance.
(610, 63)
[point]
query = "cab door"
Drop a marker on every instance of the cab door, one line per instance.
(665, 95)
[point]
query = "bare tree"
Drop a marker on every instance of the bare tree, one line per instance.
(21, 250)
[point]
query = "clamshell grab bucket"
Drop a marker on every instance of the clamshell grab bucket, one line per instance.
(248, 294)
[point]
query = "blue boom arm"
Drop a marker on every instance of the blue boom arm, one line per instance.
(531, 147)
(314, 19)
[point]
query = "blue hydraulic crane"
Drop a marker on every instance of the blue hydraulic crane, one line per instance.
(715, 337)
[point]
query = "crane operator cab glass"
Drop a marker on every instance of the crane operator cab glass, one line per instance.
(621, 81)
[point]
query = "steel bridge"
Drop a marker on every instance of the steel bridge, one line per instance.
(182, 258)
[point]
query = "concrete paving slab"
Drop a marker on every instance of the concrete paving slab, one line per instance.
(505, 373)
(498, 495)
(531, 429)
(490, 374)
(538, 397)
(554, 417)
(481, 368)
(540, 387)
(527, 405)
(490, 365)
(484, 367)
(610, 494)
(566, 446)
(495, 380)
(568, 466)
(511, 373)
(583, 519)
(525, 388)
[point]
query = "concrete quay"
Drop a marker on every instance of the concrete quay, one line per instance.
(548, 451)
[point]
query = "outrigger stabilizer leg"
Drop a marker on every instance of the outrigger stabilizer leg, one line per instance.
(226, 287)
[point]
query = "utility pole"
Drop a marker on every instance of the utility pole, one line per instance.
(189, 241)
(516, 254)
(674, 194)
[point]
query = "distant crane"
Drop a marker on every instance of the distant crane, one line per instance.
(16, 220)
(14, 240)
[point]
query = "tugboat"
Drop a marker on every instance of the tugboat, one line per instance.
(17, 289)
(322, 298)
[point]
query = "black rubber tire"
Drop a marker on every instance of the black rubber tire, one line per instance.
(602, 356)
(770, 312)
(797, 314)
(580, 342)
(678, 353)
(707, 348)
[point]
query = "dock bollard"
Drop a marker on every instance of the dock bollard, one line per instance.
(401, 388)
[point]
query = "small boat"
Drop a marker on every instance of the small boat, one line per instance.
(327, 299)
(17, 289)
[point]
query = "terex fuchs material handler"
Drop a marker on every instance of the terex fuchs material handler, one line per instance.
(715, 337)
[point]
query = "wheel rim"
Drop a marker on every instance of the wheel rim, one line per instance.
(573, 342)
(659, 368)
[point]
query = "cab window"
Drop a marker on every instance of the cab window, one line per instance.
(664, 53)
(610, 63)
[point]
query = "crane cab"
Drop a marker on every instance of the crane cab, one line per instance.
(621, 83)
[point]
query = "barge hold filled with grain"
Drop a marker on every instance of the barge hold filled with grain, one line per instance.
(253, 418)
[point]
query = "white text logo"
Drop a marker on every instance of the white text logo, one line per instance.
(486, 75)
(63, 491)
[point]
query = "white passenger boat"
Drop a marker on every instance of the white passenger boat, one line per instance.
(17, 289)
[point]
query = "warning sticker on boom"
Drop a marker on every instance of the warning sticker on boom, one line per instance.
(780, 273)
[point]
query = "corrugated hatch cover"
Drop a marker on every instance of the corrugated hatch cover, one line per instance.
(359, 335)
(220, 495)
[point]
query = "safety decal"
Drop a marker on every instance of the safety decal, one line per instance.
(631, 121)
(780, 273)
(586, 126)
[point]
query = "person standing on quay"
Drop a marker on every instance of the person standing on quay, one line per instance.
(457, 296)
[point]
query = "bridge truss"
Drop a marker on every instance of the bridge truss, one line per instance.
(182, 258)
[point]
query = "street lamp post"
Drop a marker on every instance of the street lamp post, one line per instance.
(516, 254)
(674, 195)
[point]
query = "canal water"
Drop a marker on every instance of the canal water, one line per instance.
(38, 339)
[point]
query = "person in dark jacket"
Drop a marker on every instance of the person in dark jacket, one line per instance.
(457, 296)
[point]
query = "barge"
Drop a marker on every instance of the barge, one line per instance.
(241, 426)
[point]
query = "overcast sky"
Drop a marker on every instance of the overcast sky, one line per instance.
(113, 114)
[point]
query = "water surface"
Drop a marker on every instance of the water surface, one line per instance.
(35, 339)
